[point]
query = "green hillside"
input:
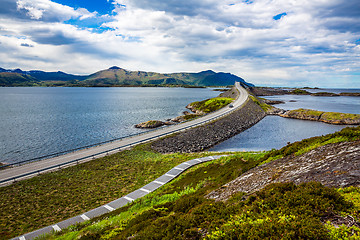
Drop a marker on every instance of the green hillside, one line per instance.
(11, 79)
(116, 76)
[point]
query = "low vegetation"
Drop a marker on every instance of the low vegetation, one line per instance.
(48, 198)
(264, 106)
(327, 117)
(211, 105)
(299, 92)
(306, 145)
(180, 209)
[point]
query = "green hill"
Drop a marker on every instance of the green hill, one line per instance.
(116, 76)
(12, 79)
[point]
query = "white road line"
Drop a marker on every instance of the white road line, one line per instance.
(109, 208)
(158, 182)
(56, 228)
(186, 163)
(170, 175)
(128, 198)
(85, 217)
(145, 190)
(177, 168)
(198, 160)
(22, 238)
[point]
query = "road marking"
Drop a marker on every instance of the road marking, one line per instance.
(169, 175)
(128, 198)
(85, 217)
(158, 182)
(109, 208)
(177, 168)
(145, 190)
(186, 163)
(22, 238)
(198, 160)
(56, 228)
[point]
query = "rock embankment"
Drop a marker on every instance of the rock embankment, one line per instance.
(206, 136)
(327, 117)
(334, 165)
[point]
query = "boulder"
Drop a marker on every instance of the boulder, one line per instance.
(150, 124)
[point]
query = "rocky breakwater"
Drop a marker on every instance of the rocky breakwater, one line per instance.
(203, 137)
(327, 117)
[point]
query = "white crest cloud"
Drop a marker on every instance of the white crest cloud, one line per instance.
(312, 43)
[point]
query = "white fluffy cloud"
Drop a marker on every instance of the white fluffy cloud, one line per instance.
(313, 43)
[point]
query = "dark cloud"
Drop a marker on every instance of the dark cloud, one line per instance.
(26, 45)
(9, 9)
(46, 36)
(185, 7)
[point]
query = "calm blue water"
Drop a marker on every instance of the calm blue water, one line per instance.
(40, 121)
(276, 132)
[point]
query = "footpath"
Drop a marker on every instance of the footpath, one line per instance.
(118, 203)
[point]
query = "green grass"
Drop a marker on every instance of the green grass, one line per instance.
(197, 181)
(307, 112)
(211, 105)
(339, 116)
(49, 198)
(263, 105)
(306, 145)
(279, 211)
(299, 92)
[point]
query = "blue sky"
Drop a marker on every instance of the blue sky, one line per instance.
(267, 42)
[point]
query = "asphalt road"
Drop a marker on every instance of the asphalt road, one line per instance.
(8, 176)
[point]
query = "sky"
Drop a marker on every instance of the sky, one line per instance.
(266, 42)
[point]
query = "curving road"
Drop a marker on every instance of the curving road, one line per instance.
(7, 176)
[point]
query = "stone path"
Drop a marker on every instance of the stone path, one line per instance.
(118, 203)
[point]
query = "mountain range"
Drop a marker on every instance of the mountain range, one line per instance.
(116, 76)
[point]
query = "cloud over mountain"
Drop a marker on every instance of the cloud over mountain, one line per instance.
(275, 42)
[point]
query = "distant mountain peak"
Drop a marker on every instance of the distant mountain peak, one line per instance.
(115, 68)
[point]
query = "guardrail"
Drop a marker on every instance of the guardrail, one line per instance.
(113, 149)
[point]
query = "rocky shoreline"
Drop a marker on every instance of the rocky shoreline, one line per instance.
(206, 136)
(320, 116)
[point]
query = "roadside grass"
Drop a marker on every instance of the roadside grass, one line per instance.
(211, 105)
(279, 211)
(263, 105)
(52, 197)
(196, 182)
(298, 148)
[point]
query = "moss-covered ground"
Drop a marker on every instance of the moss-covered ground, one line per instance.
(180, 210)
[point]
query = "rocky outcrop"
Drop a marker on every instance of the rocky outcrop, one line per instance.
(268, 91)
(203, 137)
(327, 117)
(350, 94)
(334, 165)
(325, 94)
(194, 110)
(153, 124)
(272, 102)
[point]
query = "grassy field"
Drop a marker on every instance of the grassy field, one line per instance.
(179, 210)
(50, 198)
(211, 105)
